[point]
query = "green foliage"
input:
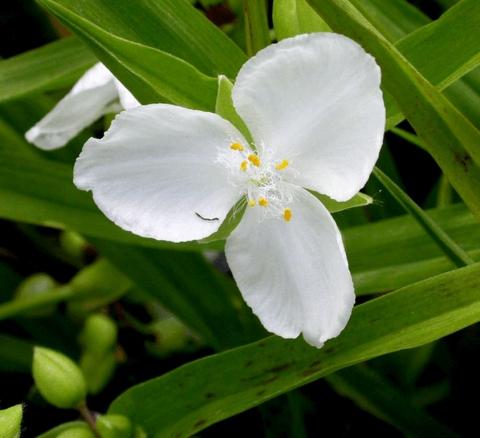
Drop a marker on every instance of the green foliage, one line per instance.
(48, 68)
(449, 136)
(213, 388)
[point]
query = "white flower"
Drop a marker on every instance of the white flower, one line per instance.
(315, 111)
(94, 95)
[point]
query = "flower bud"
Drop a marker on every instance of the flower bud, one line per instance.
(114, 426)
(99, 335)
(33, 286)
(58, 378)
(73, 244)
(97, 369)
(95, 286)
(77, 432)
(100, 276)
(11, 421)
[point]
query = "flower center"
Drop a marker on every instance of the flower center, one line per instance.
(260, 178)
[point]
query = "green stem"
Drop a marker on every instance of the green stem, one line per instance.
(89, 418)
(408, 136)
(454, 252)
(17, 307)
(257, 32)
(445, 192)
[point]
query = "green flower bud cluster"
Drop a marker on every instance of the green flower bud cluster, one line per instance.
(98, 339)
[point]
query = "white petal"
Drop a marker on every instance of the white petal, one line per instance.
(88, 100)
(294, 275)
(315, 100)
(155, 171)
(127, 99)
(94, 77)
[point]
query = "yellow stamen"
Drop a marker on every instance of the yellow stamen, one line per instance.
(237, 147)
(287, 214)
(263, 202)
(282, 165)
(253, 158)
(244, 165)
(251, 202)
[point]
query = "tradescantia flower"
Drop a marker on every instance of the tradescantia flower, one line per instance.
(95, 94)
(315, 111)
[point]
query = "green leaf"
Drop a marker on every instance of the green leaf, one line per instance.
(451, 139)
(375, 394)
(359, 200)
(41, 192)
(233, 218)
(465, 94)
(394, 19)
(166, 75)
(53, 66)
(454, 252)
(294, 17)
(395, 252)
(165, 25)
(198, 394)
(205, 300)
(441, 39)
(224, 106)
(15, 354)
(411, 138)
(457, 28)
(370, 246)
(257, 31)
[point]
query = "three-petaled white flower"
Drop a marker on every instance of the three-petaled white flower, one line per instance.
(95, 94)
(314, 108)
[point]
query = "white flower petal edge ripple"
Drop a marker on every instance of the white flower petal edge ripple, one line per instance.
(94, 95)
(316, 114)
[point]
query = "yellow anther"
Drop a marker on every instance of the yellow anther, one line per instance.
(251, 203)
(244, 165)
(237, 147)
(282, 165)
(263, 202)
(253, 158)
(287, 214)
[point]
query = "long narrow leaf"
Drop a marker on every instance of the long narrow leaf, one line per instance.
(452, 140)
(50, 67)
(455, 253)
(190, 398)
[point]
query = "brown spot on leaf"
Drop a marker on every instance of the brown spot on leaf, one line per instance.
(199, 423)
(269, 380)
(279, 368)
(464, 159)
